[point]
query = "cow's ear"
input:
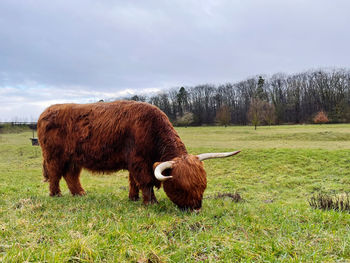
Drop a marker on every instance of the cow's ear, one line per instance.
(155, 165)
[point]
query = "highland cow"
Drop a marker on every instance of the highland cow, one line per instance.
(107, 137)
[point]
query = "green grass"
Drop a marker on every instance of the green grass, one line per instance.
(278, 170)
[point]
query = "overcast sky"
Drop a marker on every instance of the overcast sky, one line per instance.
(83, 50)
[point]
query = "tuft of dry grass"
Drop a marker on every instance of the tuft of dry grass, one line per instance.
(339, 202)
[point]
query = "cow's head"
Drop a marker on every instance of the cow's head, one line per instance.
(184, 178)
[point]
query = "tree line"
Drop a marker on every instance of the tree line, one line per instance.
(279, 99)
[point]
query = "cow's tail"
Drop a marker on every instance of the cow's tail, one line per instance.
(45, 172)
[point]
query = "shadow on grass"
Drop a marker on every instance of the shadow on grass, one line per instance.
(98, 202)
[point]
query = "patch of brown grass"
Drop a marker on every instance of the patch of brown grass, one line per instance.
(339, 202)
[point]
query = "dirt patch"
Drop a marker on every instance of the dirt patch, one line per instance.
(235, 197)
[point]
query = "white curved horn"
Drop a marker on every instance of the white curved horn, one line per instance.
(205, 156)
(160, 168)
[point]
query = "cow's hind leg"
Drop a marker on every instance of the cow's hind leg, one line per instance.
(73, 182)
(133, 189)
(52, 173)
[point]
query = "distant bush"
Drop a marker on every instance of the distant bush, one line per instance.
(13, 128)
(186, 120)
(321, 117)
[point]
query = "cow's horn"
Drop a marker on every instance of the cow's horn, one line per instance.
(160, 168)
(205, 156)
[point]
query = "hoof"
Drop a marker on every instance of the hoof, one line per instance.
(81, 193)
(153, 201)
(56, 194)
(134, 198)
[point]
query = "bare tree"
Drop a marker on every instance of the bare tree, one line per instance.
(269, 113)
(223, 115)
(255, 112)
(261, 112)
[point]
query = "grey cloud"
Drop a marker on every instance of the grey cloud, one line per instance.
(110, 46)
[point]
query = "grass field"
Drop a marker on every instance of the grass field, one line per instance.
(278, 169)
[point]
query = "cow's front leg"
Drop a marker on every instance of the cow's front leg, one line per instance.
(133, 189)
(142, 176)
(148, 195)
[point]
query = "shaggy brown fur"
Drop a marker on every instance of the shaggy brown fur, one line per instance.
(107, 137)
